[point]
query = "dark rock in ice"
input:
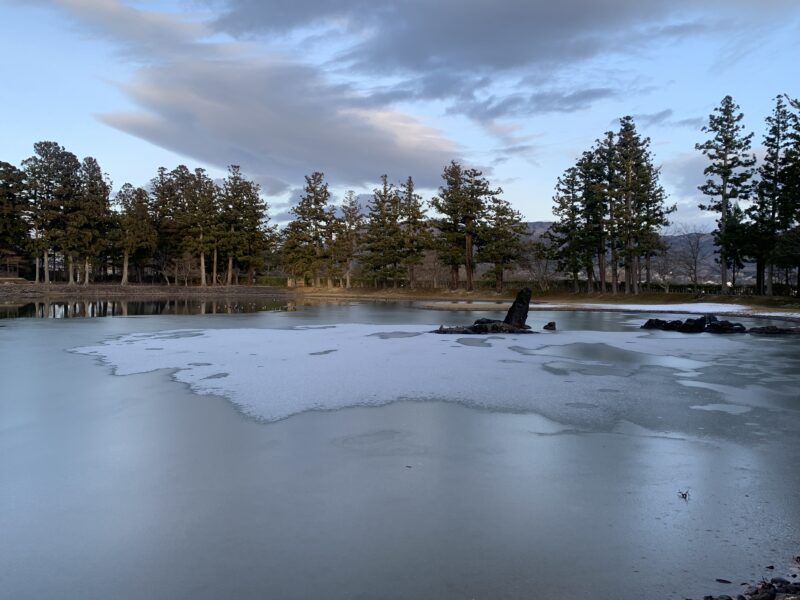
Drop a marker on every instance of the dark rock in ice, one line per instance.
(725, 327)
(654, 324)
(773, 330)
(518, 313)
(711, 324)
(551, 326)
(697, 325)
(513, 323)
(673, 325)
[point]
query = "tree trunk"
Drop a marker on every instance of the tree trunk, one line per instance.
(614, 273)
(454, 277)
(214, 269)
(229, 274)
(347, 276)
(601, 265)
(71, 270)
(498, 278)
(86, 271)
(125, 267)
(769, 279)
(468, 256)
(37, 269)
(46, 265)
(202, 268)
(411, 282)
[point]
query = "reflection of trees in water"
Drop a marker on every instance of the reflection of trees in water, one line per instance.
(124, 308)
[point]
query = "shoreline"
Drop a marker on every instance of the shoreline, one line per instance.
(430, 299)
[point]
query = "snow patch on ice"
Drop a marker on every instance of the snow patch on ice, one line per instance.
(275, 373)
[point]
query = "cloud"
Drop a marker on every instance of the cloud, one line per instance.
(419, 36)
(664, 118)
(452, 49)
(683, 174)
(279, 119)
(523, 105)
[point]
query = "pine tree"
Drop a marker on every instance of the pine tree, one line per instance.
(631, 191)
(462, 202)
(449, 238)
(244, 218)
(593, 176)
(14, 236)
(566, 235)
(166, 210)
(500, 238)
(383, 237)
(198, 216)
(94, 220)
(347, 237)
(304, 240)
(52, 187)
(729, 171)
(135, 229)
(602, 187)
(415, 232)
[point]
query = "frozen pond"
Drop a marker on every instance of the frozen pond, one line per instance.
(340, 451)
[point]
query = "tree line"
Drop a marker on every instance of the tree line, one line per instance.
(388, 239)
(58, 212)
(59, 215)
(611, 209)
(57, 206)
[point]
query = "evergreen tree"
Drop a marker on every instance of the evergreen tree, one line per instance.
(93, 216)
(52, 186)
(415, 232)
(347, 237)
(304, 240)
(244, 217)
(500, 238)
(135, 231)
(383, 237)
(14, 228)
(462, 202)
(198, 216)
(593, 176)
(167, 211)
(566, 235)
(633, 187)
(729, 171)
(449, 238)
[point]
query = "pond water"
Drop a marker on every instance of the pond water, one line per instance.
(341, 451)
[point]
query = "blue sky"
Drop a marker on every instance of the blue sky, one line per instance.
(357, 88)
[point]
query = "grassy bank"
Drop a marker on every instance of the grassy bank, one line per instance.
(444, 298)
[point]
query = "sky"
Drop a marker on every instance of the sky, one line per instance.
(359, 88)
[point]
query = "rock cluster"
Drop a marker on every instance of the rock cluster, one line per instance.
(776, 588)
(710, 324)
(513, 323)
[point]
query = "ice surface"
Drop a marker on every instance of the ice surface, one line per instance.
(686, 308)
(695, 307)
(275, 373)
